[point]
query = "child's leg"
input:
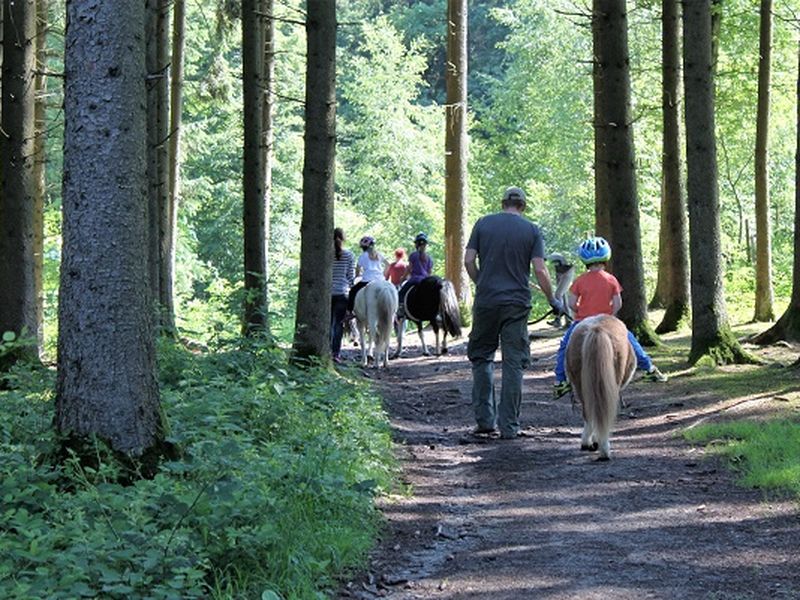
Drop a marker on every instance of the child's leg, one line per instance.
(643, 361)
(561, 373)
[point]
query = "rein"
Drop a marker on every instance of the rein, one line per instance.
(542, 318)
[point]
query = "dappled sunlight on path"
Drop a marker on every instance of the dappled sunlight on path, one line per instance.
(536, 518)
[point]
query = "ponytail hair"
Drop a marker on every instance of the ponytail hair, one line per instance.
(338, 241)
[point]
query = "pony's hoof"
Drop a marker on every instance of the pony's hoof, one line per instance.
(426, 354)
(603, 458)
(589, 447)
(444, 350)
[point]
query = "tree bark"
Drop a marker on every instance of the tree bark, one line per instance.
(614, 117)
(456, 147)
(788, 326)
(40, 160)
(254, 176)
(764, 310)
(711, 333)
(106, 382)
(18, 203)
(672, 289)
(312, 322)
(602, 217)
(267, 141)
(158, 156)
(174, 160)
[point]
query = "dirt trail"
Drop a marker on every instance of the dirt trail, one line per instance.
(536, 518)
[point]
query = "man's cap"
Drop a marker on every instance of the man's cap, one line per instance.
(514, 193)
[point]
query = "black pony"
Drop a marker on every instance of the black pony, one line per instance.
(434, 300)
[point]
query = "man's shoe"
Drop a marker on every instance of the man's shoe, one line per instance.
(561, 388)
(655, 375)
(484, 432)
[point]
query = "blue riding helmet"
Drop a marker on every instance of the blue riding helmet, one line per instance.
(594, 250)
(421, 238)
(366, 242)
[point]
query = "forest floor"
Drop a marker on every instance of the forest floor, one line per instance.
(536, 518)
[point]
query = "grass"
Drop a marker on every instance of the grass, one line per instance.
(765, 454)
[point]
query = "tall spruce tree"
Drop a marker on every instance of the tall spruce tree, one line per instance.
(106, 382)
(19, 203)
(711, 333)
(313, 316)
(672, 289)
(456, 147)
(617, 165)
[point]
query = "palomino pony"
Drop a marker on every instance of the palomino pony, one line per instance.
(434, 300)
(375, 308)
(600, 363)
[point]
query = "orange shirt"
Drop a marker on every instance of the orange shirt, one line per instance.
(395, 271)
(594, 290)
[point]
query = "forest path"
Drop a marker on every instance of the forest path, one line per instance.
(536, 518)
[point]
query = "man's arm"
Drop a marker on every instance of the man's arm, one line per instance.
(470, 265)
(543, 277)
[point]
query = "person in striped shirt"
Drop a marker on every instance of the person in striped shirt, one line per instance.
(343, 276)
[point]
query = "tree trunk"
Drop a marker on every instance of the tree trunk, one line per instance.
(673, 261)
(174, 159)
(18, 203)
(267, 142)
(711, 334)
(764, 310)
(254, 184)
(614, 117)
(107, 382)
(602, 217)
(40, 160)
(312, 322)
(158, 153)
(456, 147)
(788, 326)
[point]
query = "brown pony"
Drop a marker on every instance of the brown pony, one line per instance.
(600, 363)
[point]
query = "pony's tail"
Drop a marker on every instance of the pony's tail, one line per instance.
(599, 382)
(386, 309)
(451, 316)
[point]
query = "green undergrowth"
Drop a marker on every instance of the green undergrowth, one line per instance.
(765, 454)
(272, 496)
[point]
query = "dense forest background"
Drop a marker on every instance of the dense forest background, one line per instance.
(530, 124)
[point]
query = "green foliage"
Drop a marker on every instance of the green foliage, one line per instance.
(390, 172)
(764, 453)
(273, 493)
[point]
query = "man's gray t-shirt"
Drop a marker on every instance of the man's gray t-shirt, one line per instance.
(506, 243)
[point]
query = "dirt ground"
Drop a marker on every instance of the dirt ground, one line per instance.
(536, 518)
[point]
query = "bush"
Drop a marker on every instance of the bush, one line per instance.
(273, 493)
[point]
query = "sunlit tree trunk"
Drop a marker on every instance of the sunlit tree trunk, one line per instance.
(312, 322)
(672, 290)
(174, 159)
(788, 326)
(711, 333)
(107, 382)
(158, 155)
(254, 183)
(763, 310)
(267, 140)
(456, 146)
(40, 159)
(602, 218)
(614, 116)
(18, 200)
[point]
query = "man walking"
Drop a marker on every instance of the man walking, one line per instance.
(498, 257)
